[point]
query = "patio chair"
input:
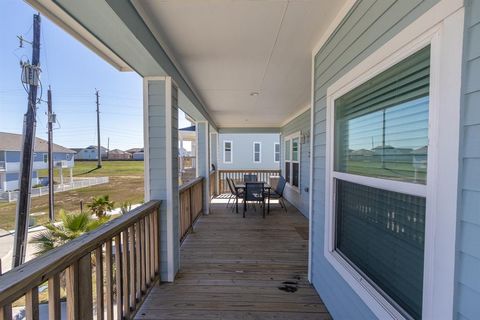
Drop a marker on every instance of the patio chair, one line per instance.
(278, 192)
(254, 191)
(237, 194)
(250, 178)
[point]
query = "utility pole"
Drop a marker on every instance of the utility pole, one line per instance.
(51, 121)
(31, 73)
(99, 151)
(108, 148)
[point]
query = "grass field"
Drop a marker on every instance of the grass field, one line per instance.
(126, 184)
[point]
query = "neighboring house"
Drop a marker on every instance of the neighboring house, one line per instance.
(117, 154)
(239, 151)
(90, 153)
(139, 155)
(10, 149)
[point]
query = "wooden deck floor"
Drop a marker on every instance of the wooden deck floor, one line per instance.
(235, 268)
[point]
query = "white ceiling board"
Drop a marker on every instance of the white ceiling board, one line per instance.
(228, 49)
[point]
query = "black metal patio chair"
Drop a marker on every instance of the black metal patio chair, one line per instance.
(236, 192)
(250, 178)
(254, 191)
(278, 192)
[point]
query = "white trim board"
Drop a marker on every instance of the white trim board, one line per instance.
(442, 28)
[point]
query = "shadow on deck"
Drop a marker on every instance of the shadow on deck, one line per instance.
(235, 268)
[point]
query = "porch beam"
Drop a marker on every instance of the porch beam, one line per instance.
(250, 130)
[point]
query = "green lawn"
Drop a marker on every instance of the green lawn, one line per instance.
(126, 184)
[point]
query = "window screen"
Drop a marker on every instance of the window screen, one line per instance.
(381, 127)
(382, 234)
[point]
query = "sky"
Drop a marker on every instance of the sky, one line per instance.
(74, 72)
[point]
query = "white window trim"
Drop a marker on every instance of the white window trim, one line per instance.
(287, 138)
(260, 152)
(275, 144)
(442, 28)
(231, 151)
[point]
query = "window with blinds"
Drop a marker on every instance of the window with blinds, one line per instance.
(381, 127)
(381, 131)
(227, 151)
(292, 160)
(257, 152)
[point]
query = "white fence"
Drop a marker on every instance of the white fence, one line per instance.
(12, 196)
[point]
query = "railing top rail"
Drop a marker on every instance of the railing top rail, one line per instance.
(249, 170)
(19, 280)
(190, 184)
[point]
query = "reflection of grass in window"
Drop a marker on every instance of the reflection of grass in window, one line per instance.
(389, 169)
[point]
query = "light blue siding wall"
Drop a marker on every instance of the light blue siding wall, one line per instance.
(158, 164)
(468, 263)
(242, 151)
(298, 198)
(12, 156)
(369, 25)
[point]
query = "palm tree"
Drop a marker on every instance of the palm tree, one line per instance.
(100, 205)
(71, 226)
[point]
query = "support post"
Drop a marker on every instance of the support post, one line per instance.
(203, 161)
(161, 166)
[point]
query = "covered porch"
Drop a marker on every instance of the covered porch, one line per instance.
(235, 268)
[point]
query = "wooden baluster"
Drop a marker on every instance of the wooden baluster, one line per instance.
(147, 251)
(143, 251)
(109, 279)
(99, 283)
(31, 304)
(133, 269)
(85, 293)
(54, 312)
(118, 275)
(72, 290)
(157, 241)
(138, 256)
(6, 312)
(125, 274)
(152, 247)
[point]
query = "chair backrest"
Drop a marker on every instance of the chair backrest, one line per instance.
(250, 177)
(280, 185)
(230, 185)
(254, 191)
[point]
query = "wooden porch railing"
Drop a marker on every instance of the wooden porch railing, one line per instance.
(237, 175)
(114, 265)
(191, 205)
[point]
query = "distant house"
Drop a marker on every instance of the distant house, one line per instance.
(134, 150)
(249, 151)
(117, 154)
(139, 155)
(10, 149)
(90, 153)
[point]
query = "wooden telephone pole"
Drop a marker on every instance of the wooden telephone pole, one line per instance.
(51, 186)
(31, 73)
(99, 151)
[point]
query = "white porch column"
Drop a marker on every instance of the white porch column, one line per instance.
(161, 165)
(214, 155)
(203, 161)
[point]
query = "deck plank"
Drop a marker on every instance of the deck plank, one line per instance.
(234, 268)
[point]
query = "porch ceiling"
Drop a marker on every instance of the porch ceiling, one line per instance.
(229, 49)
